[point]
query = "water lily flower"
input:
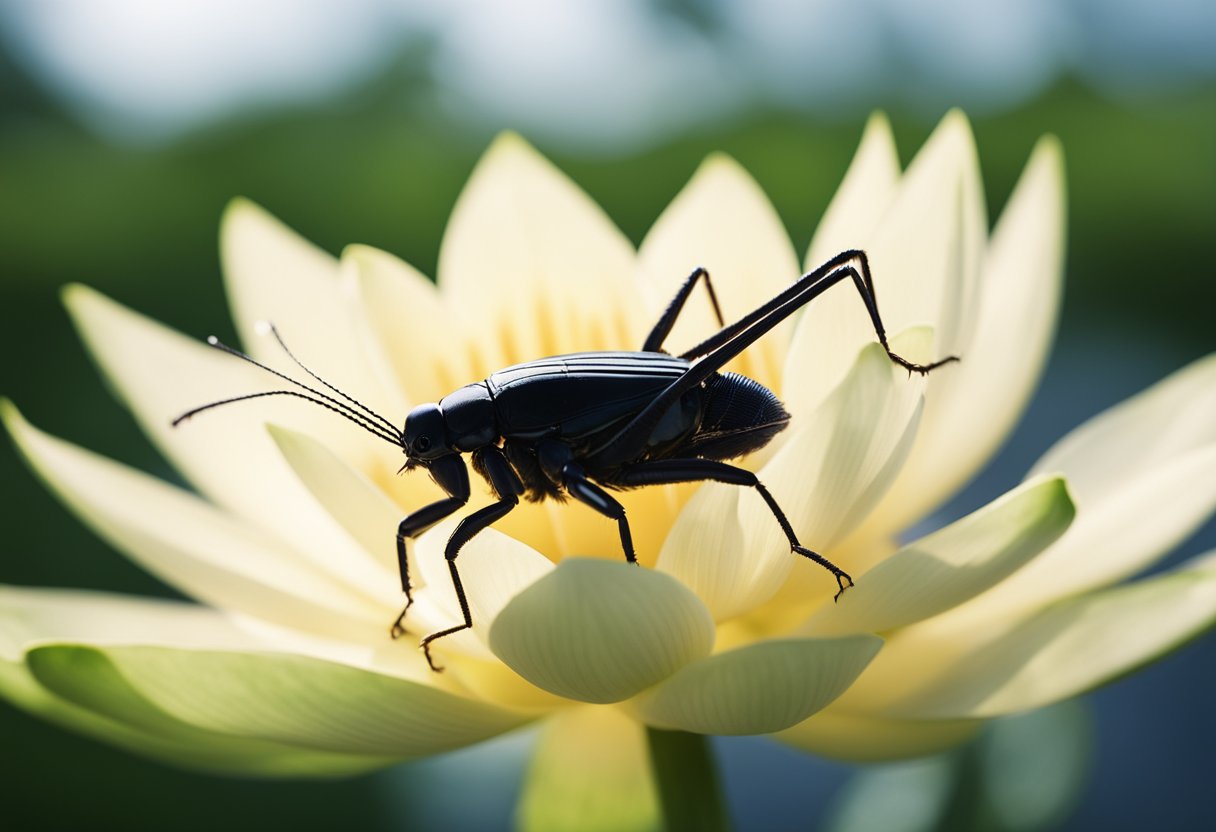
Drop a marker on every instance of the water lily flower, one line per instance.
(284, 666)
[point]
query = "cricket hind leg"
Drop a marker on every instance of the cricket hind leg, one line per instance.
(666, 471)
(720, 348)
(802, 291)
(662, 328)
(557, 460)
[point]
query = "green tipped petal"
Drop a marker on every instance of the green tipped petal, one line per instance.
(944, 569)
(1071, 647)
(600, 631)
(758, 689)
(110, 711)
(282, 698)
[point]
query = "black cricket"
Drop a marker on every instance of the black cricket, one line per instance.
(576, 425)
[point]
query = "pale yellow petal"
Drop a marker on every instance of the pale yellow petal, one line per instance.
(226, 453)
(534, 264)
(972, 406)
(599, 631)
(1145, 474)
(493, 567)
(925, 257)
(1069, 648)
(274, 275)
(834, 325)
(421, 340)
(1173, 416)
(863, 196)
(1112, 538)
(721, 221)
(940, 571)
(729, 548)
(367, 514)
(758, 689)
(192, 545)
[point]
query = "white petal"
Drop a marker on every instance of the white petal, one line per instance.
(952, 565)
(925, 258)
(834, 325)
(1146, 474)
(973, 405)
(758, 689)
(225, 453)
(863, 196)
(1175, 415)
(723, 222)
(32, 615)
(1066, 649)
(728, 547)
(591, 772)
(110, 711)
(599, 631)
(536, 266)
(420, 339)
(274, 275)
(1112, 538)
(867, 739)
(191, 544)
(290, 699)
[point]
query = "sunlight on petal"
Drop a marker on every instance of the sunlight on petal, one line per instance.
(721, 221)
(418, 336)
(972, 406)
(1071, 647)
(307, 702)
(274, 275)
(189, 543)
(225, 453)
(538, 268)
(832, 328)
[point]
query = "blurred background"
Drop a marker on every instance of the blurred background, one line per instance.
(126, 125)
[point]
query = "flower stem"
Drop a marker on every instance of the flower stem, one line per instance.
(686, 780)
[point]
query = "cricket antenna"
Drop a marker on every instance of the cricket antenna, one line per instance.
(364, 416)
